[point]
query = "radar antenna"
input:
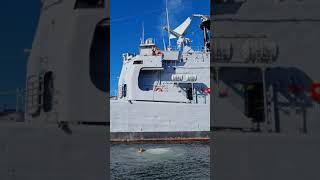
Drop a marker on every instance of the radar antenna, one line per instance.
(179, 32)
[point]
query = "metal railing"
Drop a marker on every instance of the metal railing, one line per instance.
(12, 100)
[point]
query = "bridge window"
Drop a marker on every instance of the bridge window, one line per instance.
(138, 62)
(148, 79)
(99, 57)
(86, 4)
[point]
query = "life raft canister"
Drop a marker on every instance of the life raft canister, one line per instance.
(153, 51)
(158, 89)
(160, 53)
(157, 52)
(315, 91)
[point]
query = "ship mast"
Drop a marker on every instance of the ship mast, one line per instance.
(164, 44)
(142, 38)
(168, 25)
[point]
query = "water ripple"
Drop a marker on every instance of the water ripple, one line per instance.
(160, 161)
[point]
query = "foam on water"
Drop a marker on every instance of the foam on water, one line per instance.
(158, 150)
(184, 161)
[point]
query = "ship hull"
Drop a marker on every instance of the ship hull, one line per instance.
(186, 136)
(158, 121)
(44, 151)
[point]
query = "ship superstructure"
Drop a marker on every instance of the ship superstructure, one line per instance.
(63, 129)
(164, 91)
(265, 102)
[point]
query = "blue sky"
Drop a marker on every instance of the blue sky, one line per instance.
(127, 16)
(18, 25)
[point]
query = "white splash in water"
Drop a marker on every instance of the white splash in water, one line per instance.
(158, 150)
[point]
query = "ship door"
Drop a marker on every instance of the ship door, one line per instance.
(124, 90)
(48, 91)
(189, 91)
(255, 102)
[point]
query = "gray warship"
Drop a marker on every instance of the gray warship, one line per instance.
(164, 94)
(55, 135)
(265, 70)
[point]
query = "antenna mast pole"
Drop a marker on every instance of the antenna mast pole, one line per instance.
(168, 23)
(142, 39)
(164, 44)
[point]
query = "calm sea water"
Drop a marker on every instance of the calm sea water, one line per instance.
(160, 161)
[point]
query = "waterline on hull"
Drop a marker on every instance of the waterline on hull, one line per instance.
(171, 137)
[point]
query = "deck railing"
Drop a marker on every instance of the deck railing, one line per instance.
(12, 100)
